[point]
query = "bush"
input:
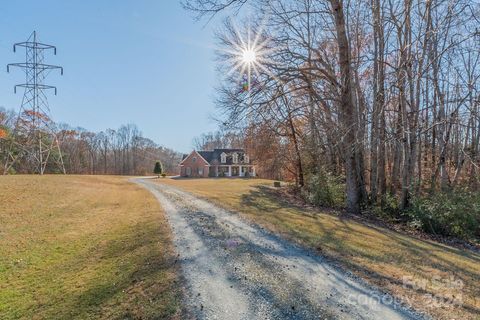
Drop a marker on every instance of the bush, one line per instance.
(389, 208)
(163, 175)
(325, 190)
(455, 213)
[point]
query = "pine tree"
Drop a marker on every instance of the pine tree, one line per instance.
(158, 169)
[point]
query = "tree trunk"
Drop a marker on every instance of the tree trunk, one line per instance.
(347, 109)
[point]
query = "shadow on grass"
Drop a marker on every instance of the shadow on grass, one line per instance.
(409, 253)
(133, 279)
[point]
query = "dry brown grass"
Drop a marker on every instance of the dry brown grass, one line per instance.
(383, 257)
(82, 247)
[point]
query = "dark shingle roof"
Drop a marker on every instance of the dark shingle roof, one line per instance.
(215, 155)
(207, 155)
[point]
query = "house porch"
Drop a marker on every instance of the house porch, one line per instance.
(234, 170)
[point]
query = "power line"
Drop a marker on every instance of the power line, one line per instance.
(34, 142)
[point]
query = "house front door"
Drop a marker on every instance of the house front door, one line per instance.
(235, 172)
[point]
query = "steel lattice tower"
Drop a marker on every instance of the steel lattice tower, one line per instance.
(34, 142)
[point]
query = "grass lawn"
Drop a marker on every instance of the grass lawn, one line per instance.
(382, 257)
(84, 247)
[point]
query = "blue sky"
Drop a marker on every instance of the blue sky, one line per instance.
(145, 62)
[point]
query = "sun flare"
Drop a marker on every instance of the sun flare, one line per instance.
(249, 56)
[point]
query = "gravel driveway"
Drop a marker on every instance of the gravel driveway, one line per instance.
(235, 270)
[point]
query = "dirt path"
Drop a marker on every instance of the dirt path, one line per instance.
(235, 270)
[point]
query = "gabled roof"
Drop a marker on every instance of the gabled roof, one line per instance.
(229, 150)
(215, 155)
(185, 156)
(207, 155)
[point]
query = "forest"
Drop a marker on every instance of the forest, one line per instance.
(364, 104)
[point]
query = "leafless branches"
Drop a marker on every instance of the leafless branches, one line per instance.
(385, 93)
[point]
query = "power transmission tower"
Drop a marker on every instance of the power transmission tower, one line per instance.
(34, 143)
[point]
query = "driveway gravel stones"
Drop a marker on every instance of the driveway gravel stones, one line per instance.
(236, 270)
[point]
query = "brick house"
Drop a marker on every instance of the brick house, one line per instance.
(217, 163)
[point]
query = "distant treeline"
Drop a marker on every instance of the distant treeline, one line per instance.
(123, 151)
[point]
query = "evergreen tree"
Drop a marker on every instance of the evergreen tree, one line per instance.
(158, 169)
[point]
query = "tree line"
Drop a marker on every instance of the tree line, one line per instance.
(122, 151)
(384, 94)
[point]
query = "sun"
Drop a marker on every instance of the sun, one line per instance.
(247, 53)
(249, 56)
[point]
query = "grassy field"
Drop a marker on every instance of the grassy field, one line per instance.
(83, 247)
(413, 269)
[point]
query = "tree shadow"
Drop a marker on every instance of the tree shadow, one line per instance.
(263, 201)
(139, 284)
(263, 248)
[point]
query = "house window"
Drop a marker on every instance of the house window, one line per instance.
(235, 158)
(246, 159)
(200, 171)
(188, 171)
(194, 159)
(223, 158)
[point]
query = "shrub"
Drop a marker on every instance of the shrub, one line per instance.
(163, 175)
(455, 213)
(323, 189)
(389, 208)
(12, 171)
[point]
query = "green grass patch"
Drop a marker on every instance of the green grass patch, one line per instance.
(82, 247)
